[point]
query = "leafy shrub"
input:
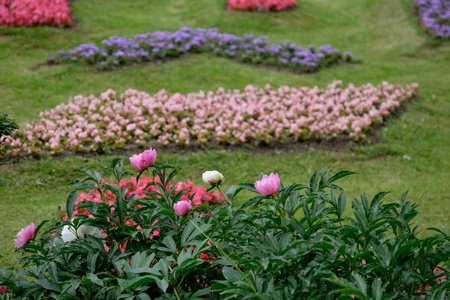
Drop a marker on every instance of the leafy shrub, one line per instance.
(297, 243)
(7, 126)
(255, 115)
(30, 13)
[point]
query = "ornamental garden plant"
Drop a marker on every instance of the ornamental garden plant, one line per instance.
(158, 45)
(29, 13)
(259, 116)
(261, 5)
(7, 127)
(435, 17)
(285, 242)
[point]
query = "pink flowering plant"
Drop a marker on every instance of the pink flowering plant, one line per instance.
(293, 241)
(29, 13)
(258, 116)
(261, 5)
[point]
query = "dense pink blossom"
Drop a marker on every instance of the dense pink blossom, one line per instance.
(143, 160)
(268, 185)
(3, 289)
(230, 117)
(30, 13)
(182, 207)
(268, 5)
(198, 194)
(24, 236)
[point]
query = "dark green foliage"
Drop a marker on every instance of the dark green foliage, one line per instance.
(7, 126)
(297, 244)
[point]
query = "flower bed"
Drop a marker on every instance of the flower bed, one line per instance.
(265, 5)
(30, 13)
(163, 44)
(226, 117)
(435, 16)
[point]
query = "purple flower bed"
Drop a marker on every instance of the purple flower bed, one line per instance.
(163, 44)
(435, 15)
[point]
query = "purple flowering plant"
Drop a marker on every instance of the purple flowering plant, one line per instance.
(165, 45)
(435, 17)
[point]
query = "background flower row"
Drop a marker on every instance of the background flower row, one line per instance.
(264, 5)
(435, 16)
(164, 44)
(255, 115)
(35, 12)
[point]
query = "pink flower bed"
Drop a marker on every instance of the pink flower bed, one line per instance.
(30, 13)
(256, 115)
(198, 193)
(268, 5)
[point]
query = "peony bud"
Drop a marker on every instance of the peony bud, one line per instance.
(143, 160)
(68, 232)
(268, 185)
(182, 207)
(212, 177)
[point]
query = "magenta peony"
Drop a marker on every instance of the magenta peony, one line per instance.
(143, 160)
(25, 235)
(268, 185)
(182, 207)
(3, 289)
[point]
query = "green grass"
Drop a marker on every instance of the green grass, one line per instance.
(382, 34)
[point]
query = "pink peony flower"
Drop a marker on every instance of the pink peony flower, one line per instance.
(24, 236)
(3, 289)
(182, 207)
(143, 160)
(268, 185)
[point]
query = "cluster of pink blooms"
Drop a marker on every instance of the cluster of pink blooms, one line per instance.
(261, 115)
(267, 5)
(30, 13)
(199, 193)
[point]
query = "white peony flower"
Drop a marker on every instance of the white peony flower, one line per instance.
(68, 233)
(212, 177)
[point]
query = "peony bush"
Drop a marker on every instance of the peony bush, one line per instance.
(266, 5)
(158, 45)
(30, 13)
(286, 242)
(435, 16)
(256, 115)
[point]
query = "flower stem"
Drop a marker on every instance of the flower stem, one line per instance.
(226, 198)
(224, 254)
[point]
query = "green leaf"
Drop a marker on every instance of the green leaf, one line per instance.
(313, 181)
(129, 284)
(233, 191)
(70, 202)
(247, 186)
(378, 198)
(39, 228)
(339, 175)
(94, 278)
(48, 285)
(170, 244)
(341, 204)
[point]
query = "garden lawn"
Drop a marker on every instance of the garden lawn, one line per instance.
(413, 152)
